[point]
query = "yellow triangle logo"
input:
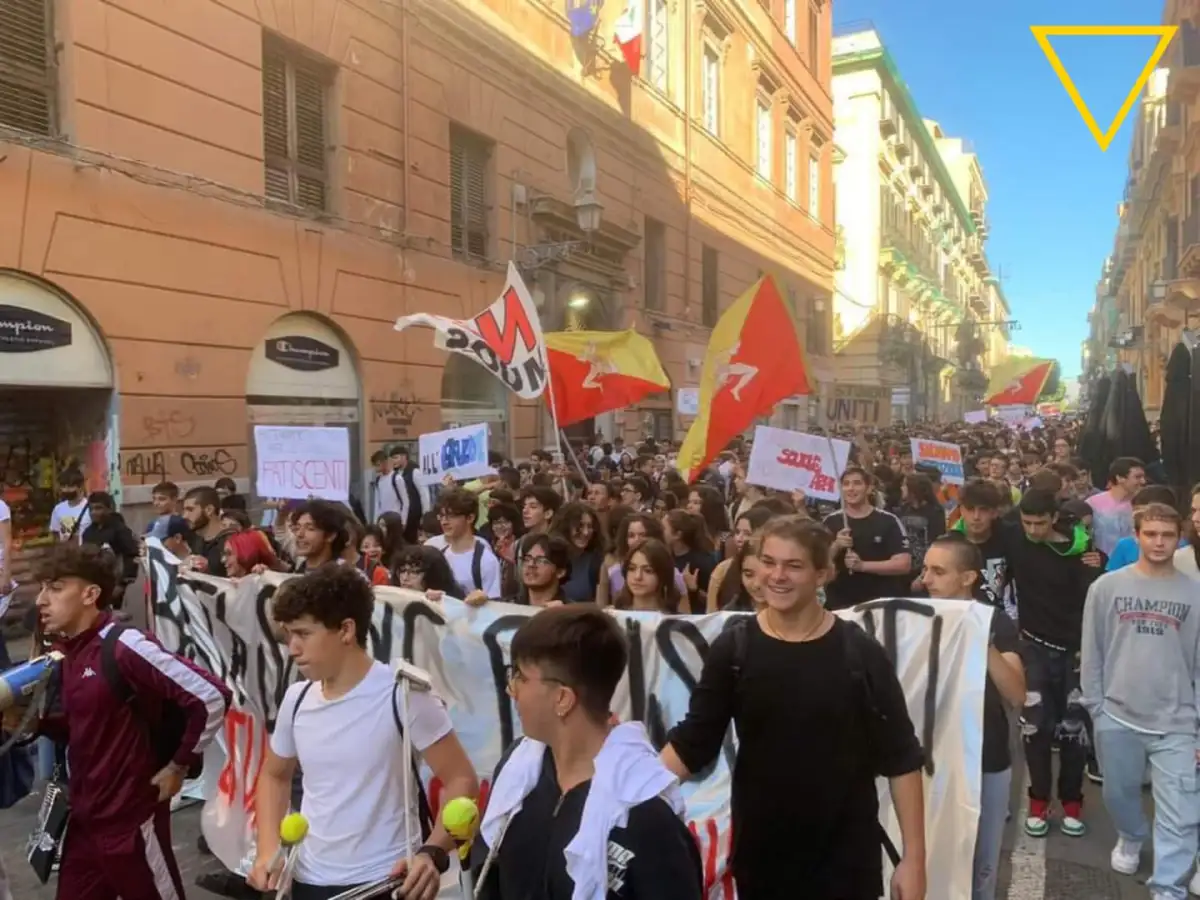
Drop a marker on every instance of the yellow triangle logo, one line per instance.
(1043, 33)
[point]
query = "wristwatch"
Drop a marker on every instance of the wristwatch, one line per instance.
(439, 857)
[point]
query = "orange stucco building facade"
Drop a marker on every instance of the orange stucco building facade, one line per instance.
(212, 212)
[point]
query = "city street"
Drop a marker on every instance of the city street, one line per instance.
(1055, 868)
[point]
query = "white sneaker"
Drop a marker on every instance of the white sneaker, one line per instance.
(1194, 886)
(1126, 856)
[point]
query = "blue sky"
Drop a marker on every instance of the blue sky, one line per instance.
(977, 70)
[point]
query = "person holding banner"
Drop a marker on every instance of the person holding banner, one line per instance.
(580, 808)
(805, 807)
(952, 571)
(344, 728)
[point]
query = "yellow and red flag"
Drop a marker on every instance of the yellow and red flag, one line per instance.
(754, 360)
(593, 372)
(1018, 381)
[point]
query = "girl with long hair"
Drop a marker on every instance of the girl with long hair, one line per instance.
(634, 530)
(578, 524)
(649, 575)
(425, 569)
(687, 538)
(707, 503)
(247, 552)
(721, 592)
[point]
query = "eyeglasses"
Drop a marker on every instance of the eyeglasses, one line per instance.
(531, 560)
(514, 675)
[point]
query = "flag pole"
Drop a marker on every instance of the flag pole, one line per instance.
(560, 436)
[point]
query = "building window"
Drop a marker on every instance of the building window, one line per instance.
(814, 186)
(470, 159)
(791, 166)
(818, 328)
(654, 275)
(763, 137)
(789, 19)
(814, 36)
(710, 267)
(657, 51)
(295, 149)
(27, 72)
(710, 90)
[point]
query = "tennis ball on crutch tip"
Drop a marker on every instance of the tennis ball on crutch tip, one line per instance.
(459, 817)
(293, 829)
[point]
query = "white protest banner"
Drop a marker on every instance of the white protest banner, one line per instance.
(946, 457)
(223, 625)
(1012, 415)
(461, 453)
(506, 338)
(975, 417)
(295, 462)
(687, 401)
(791, 460)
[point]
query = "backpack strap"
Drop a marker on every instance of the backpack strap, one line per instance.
(477, 564)
(740, 629)
(108, 664)
(424, 813)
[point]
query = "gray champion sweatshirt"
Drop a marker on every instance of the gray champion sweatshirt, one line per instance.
(1140, 662)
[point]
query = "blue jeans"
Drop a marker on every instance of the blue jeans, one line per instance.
(1123, 753)
(993, 813)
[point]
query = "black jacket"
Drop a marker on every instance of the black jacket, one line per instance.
(117, 537)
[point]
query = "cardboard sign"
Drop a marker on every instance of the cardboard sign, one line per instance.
(946, 457)
(297, 462)
(791, 460)
(856, 404)
(461, 453)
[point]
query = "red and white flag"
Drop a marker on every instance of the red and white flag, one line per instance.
(629, 34)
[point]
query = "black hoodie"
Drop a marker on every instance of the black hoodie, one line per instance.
(116, 536)
(1051, 582)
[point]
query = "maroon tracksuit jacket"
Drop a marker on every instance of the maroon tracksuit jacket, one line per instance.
(118, 843)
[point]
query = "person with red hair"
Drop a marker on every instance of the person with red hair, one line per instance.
(249, 551)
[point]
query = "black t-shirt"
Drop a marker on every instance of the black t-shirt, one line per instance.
(878, 536)
(805, 807)
(922, 525)
(654, 857)
(703, 563)
(993, 577)
(996, 753)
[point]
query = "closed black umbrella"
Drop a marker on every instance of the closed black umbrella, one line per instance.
(1091, 439)
(1174, 422)
(1133, 436)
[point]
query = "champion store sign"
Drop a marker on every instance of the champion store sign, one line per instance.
(303, 354)
(27, 331)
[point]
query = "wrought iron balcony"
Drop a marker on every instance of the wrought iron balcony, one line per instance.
(1189, 245)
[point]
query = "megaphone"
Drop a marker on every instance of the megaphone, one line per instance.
(19, 684)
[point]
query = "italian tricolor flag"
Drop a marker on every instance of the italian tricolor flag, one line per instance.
(629, 34)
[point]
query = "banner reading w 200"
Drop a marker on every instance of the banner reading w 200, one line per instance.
(224, 625)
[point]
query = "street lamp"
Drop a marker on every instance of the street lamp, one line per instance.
(1158, 291)
(588, 211)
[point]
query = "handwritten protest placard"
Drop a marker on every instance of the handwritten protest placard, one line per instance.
(461, 453)
(298, 462)
(947, 458)
(791, 460)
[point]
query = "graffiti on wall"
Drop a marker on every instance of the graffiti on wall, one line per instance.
(148, 466)
(394, 413)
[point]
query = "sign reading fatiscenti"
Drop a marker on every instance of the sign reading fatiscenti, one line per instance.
(295, 462)
(221, 624)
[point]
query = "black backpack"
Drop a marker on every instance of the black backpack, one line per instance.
(476, 561)
(424, 812)
(860, 681)
(167, 730)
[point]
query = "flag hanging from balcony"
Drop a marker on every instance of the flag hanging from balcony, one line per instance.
(594, 372)
(1018, 381)
(755, 359)
(582, 16)
(629, 35)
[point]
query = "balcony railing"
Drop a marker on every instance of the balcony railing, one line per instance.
(1189, 244)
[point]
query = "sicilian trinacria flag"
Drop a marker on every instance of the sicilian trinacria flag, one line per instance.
(1018, 381)
(629, 34)
(594, 372)
(755, 359)
(506, 338)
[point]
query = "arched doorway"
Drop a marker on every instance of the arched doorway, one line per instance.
(470, 395)
(304, 373)
(58, 411)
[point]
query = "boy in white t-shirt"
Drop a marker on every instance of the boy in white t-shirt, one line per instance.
(343, 728)
(70, 518)
(471, 558)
